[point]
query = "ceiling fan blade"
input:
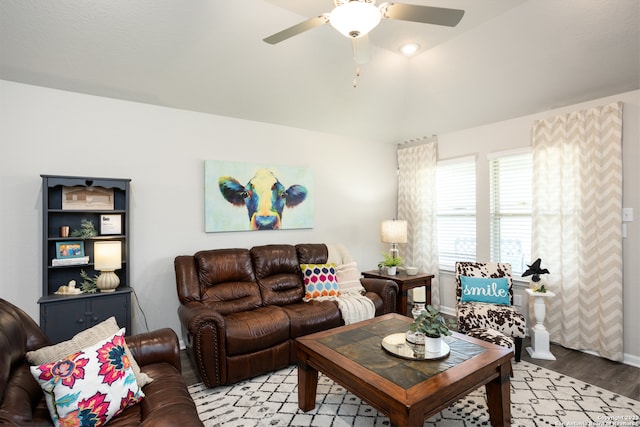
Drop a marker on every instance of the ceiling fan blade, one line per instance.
(361, 49)
(297, 29)
(423, 14)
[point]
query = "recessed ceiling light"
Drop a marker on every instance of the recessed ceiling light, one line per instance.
(409, 49)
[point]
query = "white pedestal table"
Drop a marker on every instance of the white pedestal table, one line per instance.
(539, 335)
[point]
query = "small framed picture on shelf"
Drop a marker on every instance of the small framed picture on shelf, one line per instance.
(111, 224)
(73, 249)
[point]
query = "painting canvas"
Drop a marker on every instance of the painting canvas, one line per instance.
(250, 196)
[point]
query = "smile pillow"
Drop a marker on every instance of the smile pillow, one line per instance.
(487, 290)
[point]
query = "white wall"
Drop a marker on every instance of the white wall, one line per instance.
(516, 133)
(44, 131)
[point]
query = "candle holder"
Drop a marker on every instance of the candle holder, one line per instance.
(417, 309)
(416, 337)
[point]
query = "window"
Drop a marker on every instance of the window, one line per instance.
(510, 208)
(456, 194)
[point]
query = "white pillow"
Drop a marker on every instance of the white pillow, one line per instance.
(81, 340)
(348, 277)
(338, 254)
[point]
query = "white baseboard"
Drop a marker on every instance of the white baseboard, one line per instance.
(627, 359)
(630, 359)
(448, 310)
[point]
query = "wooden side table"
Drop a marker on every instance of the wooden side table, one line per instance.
(405, 282)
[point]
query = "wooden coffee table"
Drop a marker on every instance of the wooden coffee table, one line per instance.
(407, 391)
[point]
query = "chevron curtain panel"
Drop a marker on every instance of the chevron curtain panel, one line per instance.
(577, 226)
(417, 205)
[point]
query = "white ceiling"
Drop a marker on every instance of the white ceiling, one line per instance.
(506, 58)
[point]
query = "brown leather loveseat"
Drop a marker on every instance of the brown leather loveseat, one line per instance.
(166, 403)
(241, 309)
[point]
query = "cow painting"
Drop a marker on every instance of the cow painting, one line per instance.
(264, 197)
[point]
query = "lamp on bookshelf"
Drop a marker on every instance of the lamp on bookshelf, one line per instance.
(107, 258)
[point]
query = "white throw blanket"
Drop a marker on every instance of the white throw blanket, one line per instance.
(355, 307)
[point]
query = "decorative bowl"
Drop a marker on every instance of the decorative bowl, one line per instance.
(411, 271)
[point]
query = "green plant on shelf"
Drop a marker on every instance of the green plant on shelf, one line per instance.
(86, 231)
(390, 261)
(88, 284)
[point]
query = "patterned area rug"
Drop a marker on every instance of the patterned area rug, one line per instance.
(539, 397)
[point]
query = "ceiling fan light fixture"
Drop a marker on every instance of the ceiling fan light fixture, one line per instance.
(355, 18)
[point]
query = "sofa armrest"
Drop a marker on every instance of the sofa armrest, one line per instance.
(203, 332)
(386, 289)
(193, 314)
(158, 346)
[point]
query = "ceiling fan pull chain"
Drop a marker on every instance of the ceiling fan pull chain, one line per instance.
(354, 44)
(355, 79)
(355, 59)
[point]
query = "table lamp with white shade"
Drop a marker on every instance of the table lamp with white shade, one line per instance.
(107, 257)
(393, 231)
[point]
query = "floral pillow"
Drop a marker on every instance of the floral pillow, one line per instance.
(91, 386)
(84, 339)
(319, 281)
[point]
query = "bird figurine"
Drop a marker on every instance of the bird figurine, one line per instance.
(534, 270)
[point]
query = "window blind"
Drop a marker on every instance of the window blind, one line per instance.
(456, 212)
(510, 209)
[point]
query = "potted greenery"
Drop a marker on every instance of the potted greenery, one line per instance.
(432, 324)
(88, 284)
(391, 263)
(86, 231)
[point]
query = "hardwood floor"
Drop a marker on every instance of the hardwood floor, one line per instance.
(613, 376)
(616, 377)
(188, 371)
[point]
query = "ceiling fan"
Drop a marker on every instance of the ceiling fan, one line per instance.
(355, 18)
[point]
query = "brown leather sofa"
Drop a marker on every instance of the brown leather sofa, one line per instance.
(166, 403)
(241, 309)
